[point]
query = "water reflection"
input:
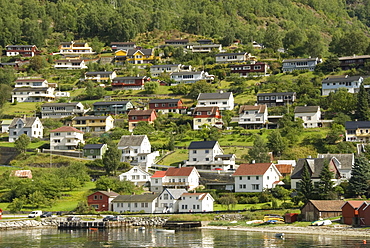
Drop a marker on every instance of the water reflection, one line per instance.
(132, 237)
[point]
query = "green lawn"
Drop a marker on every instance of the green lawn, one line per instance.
(175, 158)
(20, 109)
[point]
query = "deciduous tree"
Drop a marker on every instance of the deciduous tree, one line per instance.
(111, 160)
(22, 142)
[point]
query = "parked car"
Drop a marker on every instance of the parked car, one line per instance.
(113, 218)
(35, 213)
(73, 218)
(46, 214)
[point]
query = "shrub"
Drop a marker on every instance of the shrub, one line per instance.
(287, 205)
(252, 200)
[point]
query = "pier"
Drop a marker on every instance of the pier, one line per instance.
(93, 224)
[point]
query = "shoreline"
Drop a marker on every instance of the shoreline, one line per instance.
(314, 230)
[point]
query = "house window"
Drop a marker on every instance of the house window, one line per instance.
(255, 186)
(240, 178)
(95, 206)
(257, 177)
(194, 159)
(135, 205)
(100, 197)
(249, 178)
(242, 186)
(95, 197)
(207, 159)
(207, 151)
(194, 151)
(268, 178)
(165, 196)
(184, 206)
(156, 180)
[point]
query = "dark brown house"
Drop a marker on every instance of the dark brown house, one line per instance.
(315, 209)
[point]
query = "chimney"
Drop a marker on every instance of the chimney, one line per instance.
(108, 189)
(309, 156)
(253, 161)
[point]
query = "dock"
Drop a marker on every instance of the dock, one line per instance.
(93, 224)
(182, 224)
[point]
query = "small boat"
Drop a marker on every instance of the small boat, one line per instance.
(165, 230)
(142, 228)
(93, 229)
(279, 235)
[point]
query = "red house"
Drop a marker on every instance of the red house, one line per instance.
(244, 70)
(22, 50)
(207, 116)
(129, 83)
(135, 116)
(364, 214)
(167, 105)
(350, 212)
(101, 200)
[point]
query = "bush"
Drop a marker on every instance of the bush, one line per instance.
(287, 205)
(264, 197)
(252, 200)
(35, 140)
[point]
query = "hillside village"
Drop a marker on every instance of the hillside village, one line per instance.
(183, 124)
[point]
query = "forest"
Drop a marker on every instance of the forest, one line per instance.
(305, 27)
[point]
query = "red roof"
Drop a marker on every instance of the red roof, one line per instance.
(284, 168)
(257, 169)
(179, 172)
(355, 204)
(66, 129)
(159, 174)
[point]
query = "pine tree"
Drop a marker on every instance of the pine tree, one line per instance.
(362, 111)
(358, 183)
(326, 184)
(111, 160)
(306, 187)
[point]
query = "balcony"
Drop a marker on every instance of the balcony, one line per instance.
(172, 184)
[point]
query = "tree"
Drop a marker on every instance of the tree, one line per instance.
(22, 142)
(143, 127)
(362, 111)
(37, 199)
(259, 151)
(325, 188)
(37, 63)
(273, 37)
(359, 181)
(17, 204)
(228, 201)
(276, 143)
(305, 185)
(335, 134)
(201, 87)
(151, 87)
(111, 160)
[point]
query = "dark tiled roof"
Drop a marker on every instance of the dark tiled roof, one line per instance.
(160, 66)
(213, 110)
(98, 72)
(259, 108)
(220, 95)
(340, 79)
(131, 140)
(306, 109)
(93, 146)
(62, 104)
(299, 60)
(202, 144)
(357, 124)
(346, 160)
(147, 52)
(128, 78)
(22, 89)
(28, 121)
(164, 101)
(228, 54)
(79, 118)
(277, 94)
(315, 166)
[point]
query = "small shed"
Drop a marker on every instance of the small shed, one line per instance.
(22, 174)
(290, 217)
(316, 209)
(350, 212)
(363, 218)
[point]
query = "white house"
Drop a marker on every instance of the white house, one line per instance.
(232, 57)
(309, 64)
(191, 76)
(60, 94)
(209, 155)
(256, 177)
(177, 178)
(223, 100)
(70, 64)
(343, 162)
(196, 202)
(252, 117)
(135, 203)
(5, 125)
(31, 126)
(136, 149)
(33, 90)
(311, 115)
(168, 200)
(156, 70)
(314, 167)
(100, 76)
(205, 48)
(136, 175)
(66, 138)
(334, 83)
(61, 110)
(72, 47)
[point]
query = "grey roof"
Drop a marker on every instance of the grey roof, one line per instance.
(276, 94)
(164, 100)
(22, 89)
(341, 79)
(111, 103)
(93, 146)
(131, 52)
(28, 121)
(357, 124)
(346, 161)
(315, 167)
(60, 104)
(300, 60)
(167, 65)
(90, 118)
(128, 78)
(98, 72)
(136, 198)
(306, 109)
(186, 73)
(227, 54)
(220, 95)
(202, 144)
(355, 57)
(175, 193)
(224, 156)
(206, 45)
(107, 193)
(131, 140)
(20, 45)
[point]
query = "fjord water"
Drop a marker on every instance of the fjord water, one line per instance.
(131, 237)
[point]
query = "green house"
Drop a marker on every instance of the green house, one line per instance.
(94, 151)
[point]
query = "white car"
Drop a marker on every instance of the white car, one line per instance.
(35, 213)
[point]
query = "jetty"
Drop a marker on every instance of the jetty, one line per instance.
(93, 224)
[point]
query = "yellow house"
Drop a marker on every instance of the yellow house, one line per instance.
(136, 56)
(93, 123)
